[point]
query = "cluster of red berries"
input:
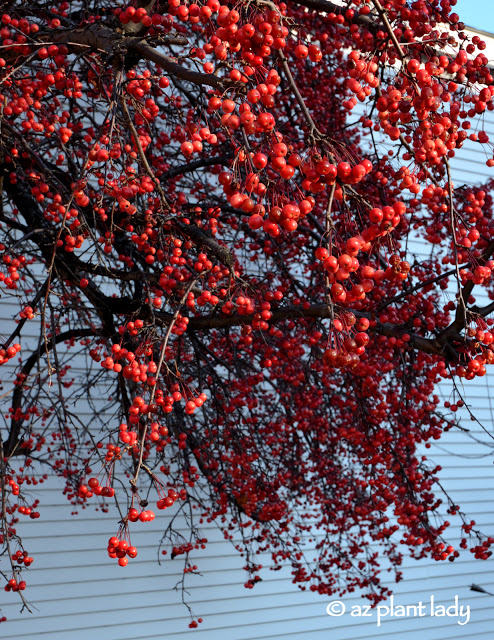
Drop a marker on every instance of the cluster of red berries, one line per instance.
(9, 353)
(28, 511)
(121, 549)
(194, 623)
(169, 500)
(146, 515)
(138, 16)
(98, 490)
(22, 558)
(27, 312)
(13, 585)
(14, 487)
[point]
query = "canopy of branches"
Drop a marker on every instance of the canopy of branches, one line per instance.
(208, 207)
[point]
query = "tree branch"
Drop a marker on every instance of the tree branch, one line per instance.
(326, 6)
(101, 38)
(169, 65)
(460, 320)
(10, 446)
(319, 311)
(195, 164)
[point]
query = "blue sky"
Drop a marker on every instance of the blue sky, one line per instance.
(477, 13)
